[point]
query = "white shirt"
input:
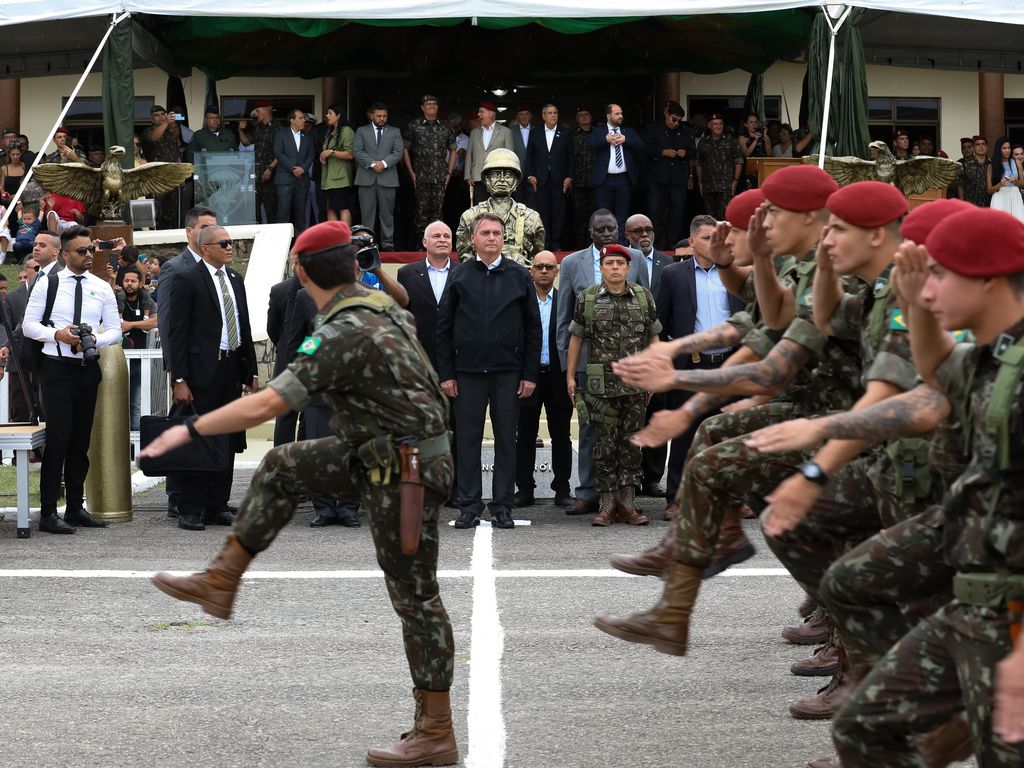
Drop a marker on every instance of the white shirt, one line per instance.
(525, 132)
(492, 265)
(612, 167)
(597, 263)
(549, 135)
(297, 135)
(99, 309)
(438, 278)
(220, 300)
(486, 134)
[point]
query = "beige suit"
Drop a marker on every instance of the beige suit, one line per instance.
(475, 155)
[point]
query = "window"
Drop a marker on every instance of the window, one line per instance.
(918, 116)
(731, 108)
(85, 119)
(240, 107)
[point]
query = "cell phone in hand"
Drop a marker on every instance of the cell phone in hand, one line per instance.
(105, 245)
(179, 118)
(112, 258)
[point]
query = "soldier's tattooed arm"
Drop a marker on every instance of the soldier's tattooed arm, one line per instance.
(906, 415)
(765, 377)
(826, 288)
(715, 337)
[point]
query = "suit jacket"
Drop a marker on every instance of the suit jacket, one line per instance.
(555, 364)
(170, 275)
(676, 301)
(365, 151)
(555, 164)
(476, 154)
(660, 262)
(282, 298)
(668, 170)
(299, 325)
(422, 303)
(632, 151)
(288, 157)
(517, 142)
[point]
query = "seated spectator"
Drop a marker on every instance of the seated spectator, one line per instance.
(62, 212)
(65, 152)
(28, 221)
(138, 317)
(13, 171)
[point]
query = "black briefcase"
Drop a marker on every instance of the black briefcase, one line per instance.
(207, 454)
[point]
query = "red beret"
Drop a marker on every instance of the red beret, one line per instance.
(616, 250)
(330, 234)
(742, 207)
(923, 219)
(62, 129)
(979, 242)
(262, 103)
(715, 116)
(582, 109)
(868, 204)
(976, 138)
(799, 188)
(488, 105)
(523, 108)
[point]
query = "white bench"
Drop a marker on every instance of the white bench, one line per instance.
(21, 440)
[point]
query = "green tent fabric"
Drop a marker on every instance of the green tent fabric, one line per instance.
(754, 101)
(817, 68)
(118, 91)
(850, 128)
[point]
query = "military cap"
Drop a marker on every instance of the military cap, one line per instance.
(715, 116)
(978, 137)
(979, 242)
(901, 132)
(742, 207)
(262, 103)
(583, 109)
(674, 108)
(523, 108)
(799, 188)
(211, 109)
(427, 97)
(322, 237)
(966, 138)
(868, 204)
(616, 250)
(923, 219)
(488, 105)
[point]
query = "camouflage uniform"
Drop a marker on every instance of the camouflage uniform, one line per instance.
(163, 150)
(583, 201)
(520, 248)
(946, 663)
(263, 149)
(377, 381)
(718, 160)
(620, 327)
(974, 179)
(429, 142)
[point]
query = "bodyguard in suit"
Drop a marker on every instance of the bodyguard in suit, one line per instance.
(522, 131)
(293, 149)
(617, 152)
(282, 300)
(579, 271)
(212, 358)
(670, 152)
(378, 149)
(549, 169)
(482, 139)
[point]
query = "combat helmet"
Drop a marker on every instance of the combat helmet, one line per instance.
(502, 158)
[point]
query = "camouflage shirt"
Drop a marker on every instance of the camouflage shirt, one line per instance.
(263, 145)
(619, 328)
(524, 232)
(583, 159)
(430, 142)
(974, 179)
(718, 160)
(164, 149)
(371, 371)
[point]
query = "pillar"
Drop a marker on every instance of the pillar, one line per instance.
(991, 105)
(10, 103)
(334, 90)
(668, 90)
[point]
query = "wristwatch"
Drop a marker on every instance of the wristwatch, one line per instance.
(813, 472)
(179, 381)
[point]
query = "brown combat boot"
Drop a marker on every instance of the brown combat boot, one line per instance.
(627, 511)
(667, 625)
(431, 740)
(813, 630)
(650, 562)
(826, 702)
(671, 511)
(949, 743)
(215, 588)
(824, 662)
(605, 511)
(733, 545)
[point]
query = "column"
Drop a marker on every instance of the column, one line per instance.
(991, 105)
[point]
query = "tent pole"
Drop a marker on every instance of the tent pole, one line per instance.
(117, 19)
(833, 28)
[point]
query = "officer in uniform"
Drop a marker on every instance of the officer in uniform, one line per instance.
(389, 448)
(429, 157)
(719, 167)
(261, 134)
(524, 231)
(211, 137)
(584, 201)
(617, 318)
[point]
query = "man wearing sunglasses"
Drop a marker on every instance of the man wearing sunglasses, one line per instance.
(670, 151)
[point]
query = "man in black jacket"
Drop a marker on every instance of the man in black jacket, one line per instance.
(670, 152)
(488, 353)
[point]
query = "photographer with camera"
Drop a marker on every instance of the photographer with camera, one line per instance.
(68, 373)
(368, 268)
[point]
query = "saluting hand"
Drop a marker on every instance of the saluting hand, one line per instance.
(757, 237)
(911, 273)
(719, 252)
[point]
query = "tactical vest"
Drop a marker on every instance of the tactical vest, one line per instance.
(590, 304)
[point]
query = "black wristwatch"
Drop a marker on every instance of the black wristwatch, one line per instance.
(813, 472)
(190, 425)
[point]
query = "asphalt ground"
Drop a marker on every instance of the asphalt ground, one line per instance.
(102, 670)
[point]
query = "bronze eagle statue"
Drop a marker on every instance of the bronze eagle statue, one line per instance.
(107, 189)
(911, 177)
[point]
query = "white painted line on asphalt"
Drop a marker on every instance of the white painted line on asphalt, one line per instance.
(580, 573)
(486, 646)
(487, 523)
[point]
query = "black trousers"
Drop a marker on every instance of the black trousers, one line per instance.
(667, 204)
(654, 458)
(69, 392)
(550, 201)
(552, 395)
(317, 419)
(292, 200)
(615, 195)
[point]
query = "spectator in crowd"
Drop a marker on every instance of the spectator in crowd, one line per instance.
(549, 170)
(670, 151)
(488, 352)
(3, 288)
(185, 133)
(966, 148)
(522, 129)
(337, 176)
(8, 136)
(127, 256)
(583, 202)
(901, 145)
(489, 135)
(95, 156)
(16, 302)
(68, 380)
(160, 143)
(293, 150)
(260, 134)
(212, 137)
(62, 211)
(752, 139)
(429, 157)
(550, 394)
(64, 152)
(378, 148)
(617, 157)
(138, 317)
(13, 171)
(927, 146)
(784, 147)
(27, 223)
(1005, 179)
(27, 155)
(973, 182)
(683, 250)
(719, 167)
(137, 157)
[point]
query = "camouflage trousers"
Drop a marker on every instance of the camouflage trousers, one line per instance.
(716, 199)
(328, 467)
(429, 206)
(266, 196)
(617, 462)
(945, 665)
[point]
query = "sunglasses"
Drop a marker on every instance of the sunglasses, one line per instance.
(223, 243)
(545, 267)
(674, 118)
(643, 230)
(85, 249)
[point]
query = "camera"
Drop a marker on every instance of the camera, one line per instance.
(86, 342)
(367, 253)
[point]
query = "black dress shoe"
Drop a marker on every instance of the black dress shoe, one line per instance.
(51, 523)
(223, 517)
(523, 499)
(191, 523)
(564, 499)
(502, 519)
(322, 521)
(653, 488)
(350, 519)
(583, 507)
(82, 519)
(452, 503)
(467, 519)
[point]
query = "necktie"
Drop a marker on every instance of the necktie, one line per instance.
(229, 311)
(618, 153)
(379, 132)
(77, 319)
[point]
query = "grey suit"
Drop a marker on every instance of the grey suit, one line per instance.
(575, 275)
(377, 190)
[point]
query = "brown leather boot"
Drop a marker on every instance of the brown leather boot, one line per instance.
(811, 631)
(627, 511)
(431, 740)
(826, 702)
(667, 625)
(733, 545)
(824, 662)
(215, 588)
(949, 743)
(650, 562)
(671, 511)
(605, 511)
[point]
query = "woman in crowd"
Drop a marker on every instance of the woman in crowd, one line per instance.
(13, 171)
(784, 147)
(137, 156)
(336, 158)
(1005, 178)
(752, 138)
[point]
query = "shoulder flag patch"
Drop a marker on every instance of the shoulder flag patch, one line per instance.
(896, 321)
(310, 345)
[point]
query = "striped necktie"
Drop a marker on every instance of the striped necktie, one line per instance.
(619, 162)
(229, 311)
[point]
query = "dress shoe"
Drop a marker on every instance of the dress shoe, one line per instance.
(191, 523)
(215, 588)
(812, 631)
(826, 702)
(650, 562)
(605, 511)
(949, 743)
(653, 488)
(582, 507)
(350, 519)
(50, 522)
(431, 741)
(733, 545)
(564, 499)
(502, 518)
(523, 499)
(322, 521)
(223, 517)
(824, 662)
(467, 519)
(81, 519)
(626, 508)
(671, 511)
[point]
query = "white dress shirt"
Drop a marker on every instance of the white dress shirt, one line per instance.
(612, 167)
(438, 278)
(220, 301)
(549, 135)
(492, 265)
(297, 135)
(486, 134)
(99, 309)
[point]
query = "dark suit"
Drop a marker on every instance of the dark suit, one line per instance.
(677, 311)
(170, 273)
(667, 179)
(15, 305)
(614, 190)
(215, 380)
(551, 168)
(282, 299)
(292, 190)
(524, 193)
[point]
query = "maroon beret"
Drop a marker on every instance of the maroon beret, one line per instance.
(901, 132)
(979, 242)
(868, 204)
(923, 219)
(715, 116)
(262, 103)
(742, 207)
(799, 188)
(582, 109)
(330, 234)
(488, 105)
(523, 108)
(616, 250)
(62, 129)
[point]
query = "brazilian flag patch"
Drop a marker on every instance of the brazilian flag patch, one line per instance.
(896, 321)
(807, 299)
(310, 345)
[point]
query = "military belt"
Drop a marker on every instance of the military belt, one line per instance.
(988, 589)
(438, 445)
(715, 357)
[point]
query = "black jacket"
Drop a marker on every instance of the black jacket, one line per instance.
(282, 298)
(422, 303)
(488, 321)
